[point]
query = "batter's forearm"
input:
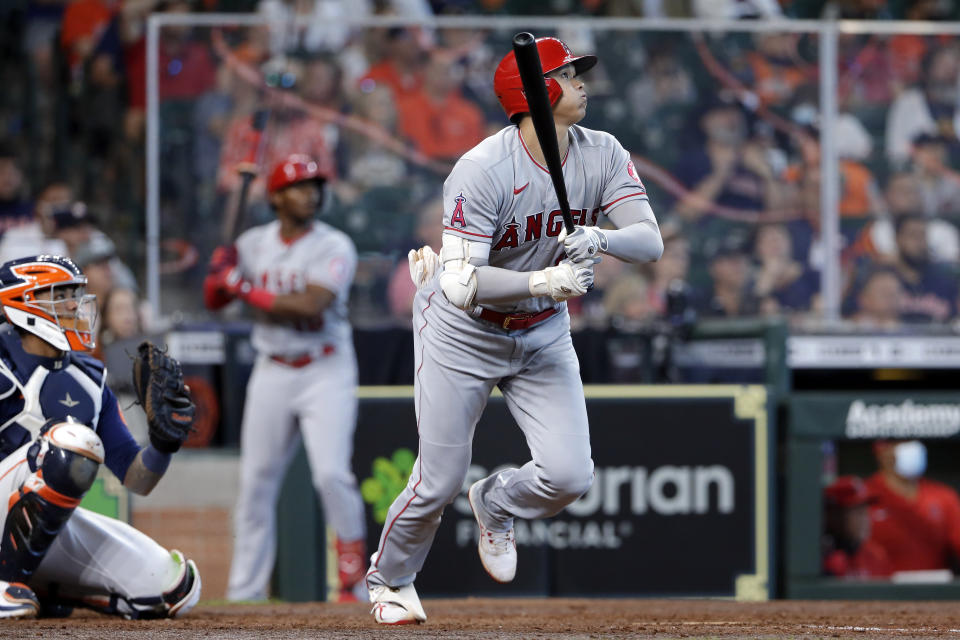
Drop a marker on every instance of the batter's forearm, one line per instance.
(500, 286)
(639, 242)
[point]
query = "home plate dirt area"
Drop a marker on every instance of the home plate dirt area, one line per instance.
(522, 618)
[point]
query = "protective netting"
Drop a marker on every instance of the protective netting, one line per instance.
(723, 127)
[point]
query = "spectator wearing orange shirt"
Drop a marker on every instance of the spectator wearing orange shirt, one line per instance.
(859, 194)
(400, 67)
(848, 551)
(439, 121)
(289, 130)
(914, 519)
(778, 70)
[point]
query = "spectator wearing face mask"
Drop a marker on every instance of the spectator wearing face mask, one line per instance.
(914, 519)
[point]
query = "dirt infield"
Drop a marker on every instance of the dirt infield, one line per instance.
(512, 619)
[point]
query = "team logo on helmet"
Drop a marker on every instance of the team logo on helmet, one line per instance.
(46, 296)
(554, 54)
(295, 168)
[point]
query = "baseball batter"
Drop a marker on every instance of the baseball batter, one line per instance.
(490, 312)
(58, 423)
(295, 272)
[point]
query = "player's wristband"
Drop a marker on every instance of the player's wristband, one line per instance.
(257, 297)
(155, 461)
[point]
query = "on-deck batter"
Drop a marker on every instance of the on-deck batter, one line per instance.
(58, 422)
(296, 273)
(490, 311)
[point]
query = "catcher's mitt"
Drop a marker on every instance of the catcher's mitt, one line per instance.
(158, 381)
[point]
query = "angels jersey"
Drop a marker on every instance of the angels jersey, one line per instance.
(324, 256)
(498, 194)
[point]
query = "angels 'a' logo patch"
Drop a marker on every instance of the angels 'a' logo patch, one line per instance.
(456, 218)
(338, 270)
(632, 170)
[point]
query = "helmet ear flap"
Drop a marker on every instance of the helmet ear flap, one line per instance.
(554, 90)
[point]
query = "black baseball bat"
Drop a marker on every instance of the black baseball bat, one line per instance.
(541, 112)
(248, 171)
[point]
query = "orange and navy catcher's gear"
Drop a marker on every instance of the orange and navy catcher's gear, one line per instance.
(297, 167)
(63, 462)
(553, 54)
(45, 295)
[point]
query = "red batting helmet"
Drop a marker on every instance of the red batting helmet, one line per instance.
(295, 168)
(553, 54)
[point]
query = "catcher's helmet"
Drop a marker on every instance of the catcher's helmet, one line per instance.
(45, 295)
(553, 54)
(297, 167)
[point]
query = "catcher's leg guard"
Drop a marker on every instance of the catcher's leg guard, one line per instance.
(64, 461)
(174, 602)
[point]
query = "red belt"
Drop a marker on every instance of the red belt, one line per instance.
(516, 320)
(303, 359)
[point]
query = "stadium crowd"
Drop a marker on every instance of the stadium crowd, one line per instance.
(724, 129)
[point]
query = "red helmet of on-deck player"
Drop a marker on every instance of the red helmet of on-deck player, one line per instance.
(553, 54)
(297, 167)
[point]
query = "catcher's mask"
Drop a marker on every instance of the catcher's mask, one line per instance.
(46, 295)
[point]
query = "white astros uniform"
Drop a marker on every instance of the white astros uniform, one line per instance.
(305, 376)
(498, 194)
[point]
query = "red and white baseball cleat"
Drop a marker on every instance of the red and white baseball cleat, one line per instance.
(399, 605)
(497, 549)
(17, 600)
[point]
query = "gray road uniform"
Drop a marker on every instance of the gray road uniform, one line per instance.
(499, 195)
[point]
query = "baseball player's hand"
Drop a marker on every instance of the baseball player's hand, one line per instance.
(223, 258)
(567, 280)
(230, 283)
(583, 243)
(423, 265)
(158, 382)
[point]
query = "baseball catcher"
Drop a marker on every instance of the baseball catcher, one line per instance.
(59, 423)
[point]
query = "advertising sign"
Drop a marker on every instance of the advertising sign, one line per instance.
(678, 504)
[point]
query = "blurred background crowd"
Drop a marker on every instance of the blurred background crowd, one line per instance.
(723, 126)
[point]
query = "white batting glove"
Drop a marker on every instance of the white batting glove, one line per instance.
(583, 243)
(423, 264)
(566, 280)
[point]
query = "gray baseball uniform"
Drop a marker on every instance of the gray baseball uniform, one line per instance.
(497, 193)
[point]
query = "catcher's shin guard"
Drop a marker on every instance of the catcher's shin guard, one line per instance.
(64, 461)
(172, 603)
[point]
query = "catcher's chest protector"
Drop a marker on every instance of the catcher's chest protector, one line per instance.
(74, 390)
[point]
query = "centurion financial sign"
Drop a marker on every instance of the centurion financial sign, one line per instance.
(674, 477)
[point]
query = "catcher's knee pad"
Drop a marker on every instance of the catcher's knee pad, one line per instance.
(64, 460)
(175, 601)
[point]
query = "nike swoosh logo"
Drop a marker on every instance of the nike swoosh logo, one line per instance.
(516, 191)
